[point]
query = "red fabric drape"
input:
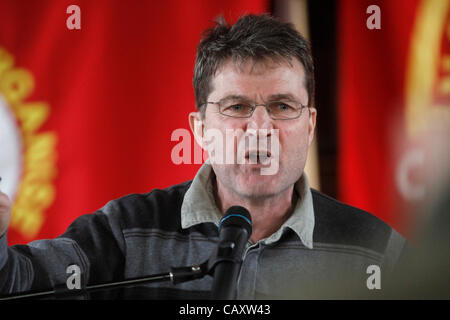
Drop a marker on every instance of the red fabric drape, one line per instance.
(115, 91)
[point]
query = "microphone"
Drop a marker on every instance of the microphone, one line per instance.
(235, 229)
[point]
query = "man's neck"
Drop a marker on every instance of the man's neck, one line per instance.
(268, 214)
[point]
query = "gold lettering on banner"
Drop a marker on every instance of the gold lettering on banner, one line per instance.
(36, 191)
(428, 67)
(427, 93)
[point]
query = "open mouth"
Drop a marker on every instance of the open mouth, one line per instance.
(258, 157)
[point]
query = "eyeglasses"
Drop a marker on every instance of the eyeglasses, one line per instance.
(277, 110)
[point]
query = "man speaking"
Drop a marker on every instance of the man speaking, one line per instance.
(254, 87)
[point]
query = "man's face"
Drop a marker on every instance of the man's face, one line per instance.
(260, 83)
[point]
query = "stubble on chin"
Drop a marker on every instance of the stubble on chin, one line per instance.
(247, 183)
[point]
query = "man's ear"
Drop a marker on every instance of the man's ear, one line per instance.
(197, 127)
(311, 124)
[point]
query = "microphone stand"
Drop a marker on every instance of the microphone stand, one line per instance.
(176, 275)
(226, 257)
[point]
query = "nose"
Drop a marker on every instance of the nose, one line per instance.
(260, 119)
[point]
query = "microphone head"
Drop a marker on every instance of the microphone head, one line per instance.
(237, 216)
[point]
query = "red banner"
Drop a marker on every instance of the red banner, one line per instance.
(392, 70)
(89, 98)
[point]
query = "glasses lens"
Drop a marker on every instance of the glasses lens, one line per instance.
(237, 110)
(284, 110)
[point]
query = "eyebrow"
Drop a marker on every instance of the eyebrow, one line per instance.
(273, 97)
(235, 97)
(282, 96)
